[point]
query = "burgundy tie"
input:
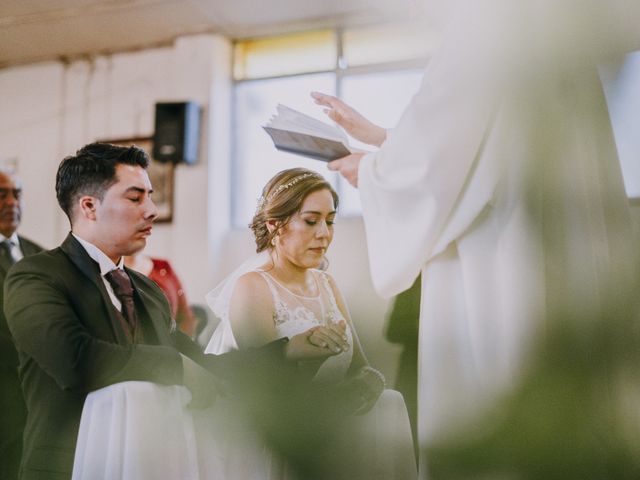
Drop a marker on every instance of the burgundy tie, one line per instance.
(123, 289)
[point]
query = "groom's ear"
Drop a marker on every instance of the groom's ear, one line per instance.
(87, 206)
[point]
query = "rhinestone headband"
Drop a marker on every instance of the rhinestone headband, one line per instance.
(262, 200)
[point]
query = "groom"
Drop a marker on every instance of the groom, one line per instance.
(81, 321)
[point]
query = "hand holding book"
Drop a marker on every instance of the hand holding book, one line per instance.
(295, 132)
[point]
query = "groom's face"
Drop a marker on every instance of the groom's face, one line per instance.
(124, 216)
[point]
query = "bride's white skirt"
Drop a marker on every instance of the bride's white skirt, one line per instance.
(378, 445)
(143, 431)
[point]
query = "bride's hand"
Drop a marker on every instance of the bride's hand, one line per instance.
(332, 336)
(353, 122)
(318, 343)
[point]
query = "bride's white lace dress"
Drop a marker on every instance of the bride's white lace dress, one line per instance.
(379, 443)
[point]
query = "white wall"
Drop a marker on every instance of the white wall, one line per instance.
(31, 130)
(49, 110)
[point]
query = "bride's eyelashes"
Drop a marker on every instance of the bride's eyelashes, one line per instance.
(314, 222)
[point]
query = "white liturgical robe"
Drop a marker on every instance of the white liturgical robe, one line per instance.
(485, 162)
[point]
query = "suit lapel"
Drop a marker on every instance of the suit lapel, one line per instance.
(81, 259)
(5, 264)
(148, 309)
(28, 248)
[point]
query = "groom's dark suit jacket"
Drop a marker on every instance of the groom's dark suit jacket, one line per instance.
(70, 343)
(12, 408)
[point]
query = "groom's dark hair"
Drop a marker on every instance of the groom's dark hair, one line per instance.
(92, 170)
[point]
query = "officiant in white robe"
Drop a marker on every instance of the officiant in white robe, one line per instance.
(501, 185)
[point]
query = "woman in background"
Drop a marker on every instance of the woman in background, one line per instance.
(161, 272)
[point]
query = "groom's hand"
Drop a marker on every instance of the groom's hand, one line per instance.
(204, 387)
(318, 343)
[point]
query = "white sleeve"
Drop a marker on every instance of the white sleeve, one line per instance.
(411, 186)
(437, 170)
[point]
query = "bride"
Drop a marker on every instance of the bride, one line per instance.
(283, 292)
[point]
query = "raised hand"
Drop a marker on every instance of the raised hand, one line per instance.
(355, 124)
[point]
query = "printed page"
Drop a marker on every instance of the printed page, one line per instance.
(292, 120)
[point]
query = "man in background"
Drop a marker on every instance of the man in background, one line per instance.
(13, 247)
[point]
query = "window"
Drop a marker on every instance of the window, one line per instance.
(375, 69)
(256, 160)
(285, 55)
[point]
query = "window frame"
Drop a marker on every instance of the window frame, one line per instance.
(340, 72)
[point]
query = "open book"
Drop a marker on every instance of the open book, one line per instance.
(295, 132)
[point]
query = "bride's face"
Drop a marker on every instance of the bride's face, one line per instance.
(307, 236)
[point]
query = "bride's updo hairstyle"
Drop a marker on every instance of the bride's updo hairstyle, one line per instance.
(282, 197)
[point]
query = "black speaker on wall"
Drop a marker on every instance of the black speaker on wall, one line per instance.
(177, 132)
